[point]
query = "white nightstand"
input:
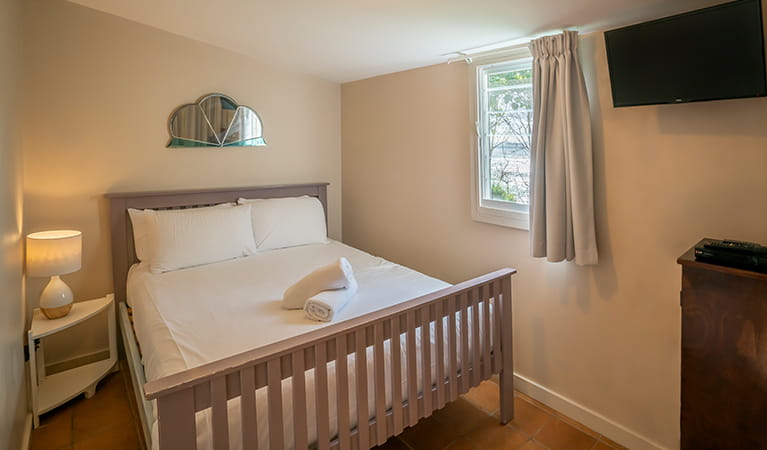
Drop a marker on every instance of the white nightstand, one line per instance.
(51, 391)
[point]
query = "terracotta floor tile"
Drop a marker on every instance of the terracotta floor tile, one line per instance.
(115, 437)
(528, 417)
(557, 434)
(460, 416)
(578, 425)
(112, 386)
(113, 380)
(558, 414)
(486, 396)
(553, 412)
(55, 430)
(611, 444)
(492, 435)
(602, 446)
(91, 415)
(533, 445)
(107, 408)
(57, 417)
(536, 403)
(428, 434)
(392, 444)
(462, 444)
(110, 390)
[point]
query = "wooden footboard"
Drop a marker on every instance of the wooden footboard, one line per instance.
(463, 355)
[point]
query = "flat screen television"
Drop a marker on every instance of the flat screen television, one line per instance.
(714, 53)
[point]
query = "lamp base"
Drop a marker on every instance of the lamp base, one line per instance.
(55, 313)
(56, 299)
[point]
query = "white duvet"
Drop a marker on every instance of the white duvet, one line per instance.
(190, 317)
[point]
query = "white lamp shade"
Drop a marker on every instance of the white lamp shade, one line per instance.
(55, 252)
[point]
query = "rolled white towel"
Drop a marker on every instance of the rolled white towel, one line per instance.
(336, 275)
(326, 304)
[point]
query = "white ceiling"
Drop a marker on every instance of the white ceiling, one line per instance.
(346, 40)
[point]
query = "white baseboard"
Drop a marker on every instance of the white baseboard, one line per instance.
(587, 417)
(27, 432)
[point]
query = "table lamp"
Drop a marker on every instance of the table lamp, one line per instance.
(54, 253)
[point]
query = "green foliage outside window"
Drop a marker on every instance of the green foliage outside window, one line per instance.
(509, 78)
(502, 193)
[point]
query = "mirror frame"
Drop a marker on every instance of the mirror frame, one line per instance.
(255, 139)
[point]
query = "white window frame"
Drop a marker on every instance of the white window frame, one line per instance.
(507, 214)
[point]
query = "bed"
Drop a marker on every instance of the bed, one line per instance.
(246, 375)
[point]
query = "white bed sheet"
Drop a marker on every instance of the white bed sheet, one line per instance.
(193, 316)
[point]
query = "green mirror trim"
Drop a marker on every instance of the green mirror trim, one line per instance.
(215, 120)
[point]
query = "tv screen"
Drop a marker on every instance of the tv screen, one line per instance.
(711, 54)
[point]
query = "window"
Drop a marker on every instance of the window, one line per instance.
(504, 121)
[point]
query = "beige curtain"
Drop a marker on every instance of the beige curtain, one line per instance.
(561, 180)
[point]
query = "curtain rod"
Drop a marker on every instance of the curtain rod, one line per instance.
(467, 55)
(463, 56)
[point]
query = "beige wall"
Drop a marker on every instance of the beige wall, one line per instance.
(99, 90)
(13, 393)
(607, 336)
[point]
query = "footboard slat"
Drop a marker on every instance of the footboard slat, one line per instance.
(452, 305)
(472, 338)
(361, 378)
(219, 421)
(465, 360)
(299, 400)
(175, 415)
(476, 347)
(412, 369)
(274, 395)
(321, 395)
(380, 383)
(440, 356)
(248, 411)
(486, 368)
(507, 370)
(495, 291)
(426, 359)
(342, 378)
(396, 378)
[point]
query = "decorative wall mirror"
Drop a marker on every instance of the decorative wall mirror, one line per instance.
(215, 120)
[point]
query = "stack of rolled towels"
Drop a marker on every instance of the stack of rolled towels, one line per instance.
(324, 292)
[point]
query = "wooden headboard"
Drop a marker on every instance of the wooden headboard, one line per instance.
(123, 253)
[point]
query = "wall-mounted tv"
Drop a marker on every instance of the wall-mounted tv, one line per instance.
(714, 53)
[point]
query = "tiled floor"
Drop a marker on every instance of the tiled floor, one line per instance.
(471, 422)
(109, 421)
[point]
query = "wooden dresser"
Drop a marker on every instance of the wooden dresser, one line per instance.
(724, 357)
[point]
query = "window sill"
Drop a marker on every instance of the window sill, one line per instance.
(502, 217)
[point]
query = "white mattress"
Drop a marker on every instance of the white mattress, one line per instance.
(194, 316)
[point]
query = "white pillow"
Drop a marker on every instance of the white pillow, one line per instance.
(193, 237)
(287, 222)
(142, 222)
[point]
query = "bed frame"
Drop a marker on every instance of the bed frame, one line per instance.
(179, 396)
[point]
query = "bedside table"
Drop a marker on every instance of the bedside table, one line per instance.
(51, 391)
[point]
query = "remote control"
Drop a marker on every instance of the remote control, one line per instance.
(737, 247)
